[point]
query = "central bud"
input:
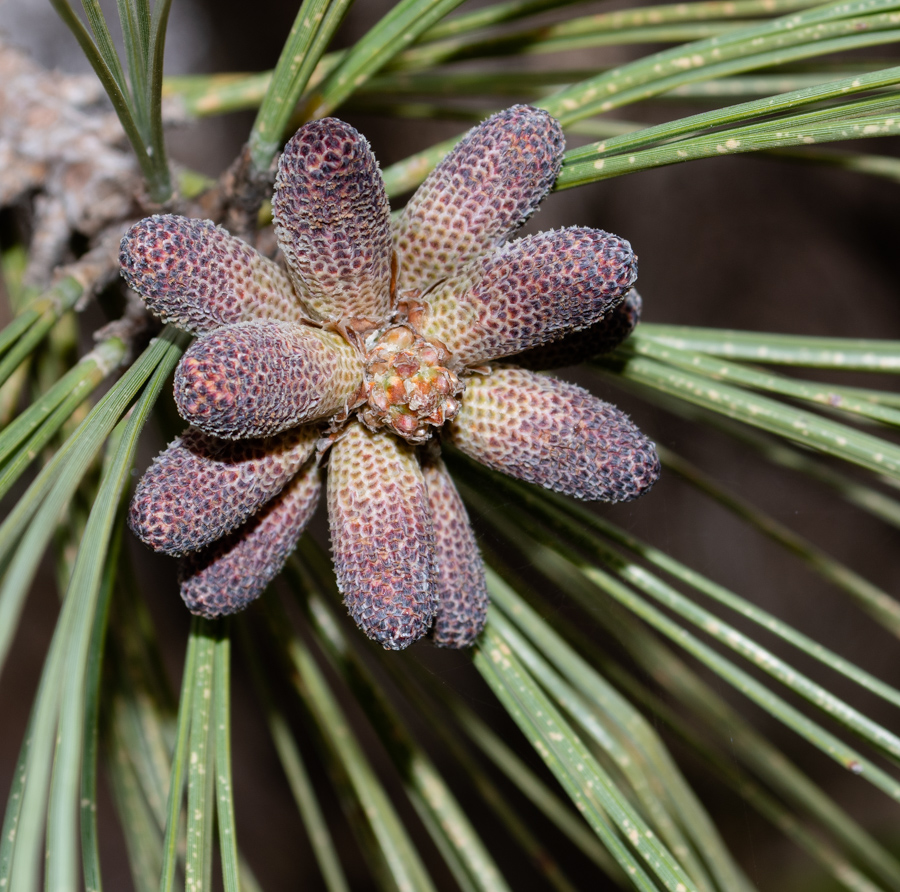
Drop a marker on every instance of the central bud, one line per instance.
(408, 387)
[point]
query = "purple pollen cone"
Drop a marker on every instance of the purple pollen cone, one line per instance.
(195, 275)
(257, 379)
(381, 536)
(530, 293)
(555, 434)
(201, 487)
(376, 341)
(462, 589)
(231, 573)
(332, 221)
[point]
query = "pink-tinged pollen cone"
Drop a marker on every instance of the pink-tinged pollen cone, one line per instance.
(257, 379)
(381, 536)
(580, 346)
(462, 590)
(555, 434)
(486, 188)
(529, 293)
(195, 275)
(332, 221)
(231, 573)
(201, 488)
(381, 341)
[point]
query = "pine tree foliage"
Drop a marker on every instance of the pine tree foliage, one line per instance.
(621, 702)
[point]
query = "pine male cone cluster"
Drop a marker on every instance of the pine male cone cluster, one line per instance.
(378, 343)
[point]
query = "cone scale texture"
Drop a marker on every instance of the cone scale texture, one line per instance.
(554, 434)
(530, 293)
(332, 221)
(201, 487)
(381, 536)
(228, 575)
(257, 379)
(195, 275)
(462, 590)
(371, 346)
(580, 346)
(484, 190)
